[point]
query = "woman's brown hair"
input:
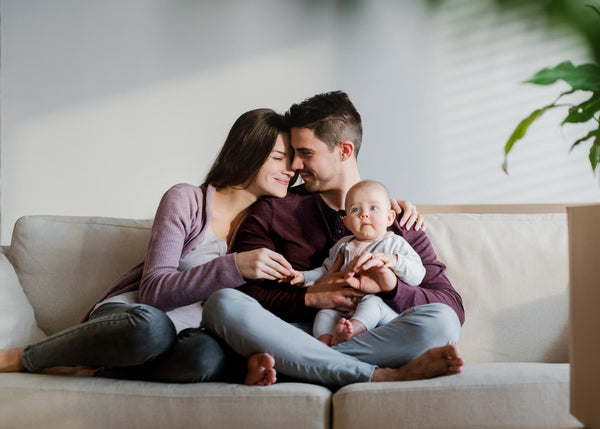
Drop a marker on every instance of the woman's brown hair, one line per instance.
(248, 145)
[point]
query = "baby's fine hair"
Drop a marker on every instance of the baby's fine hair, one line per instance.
(366, 184)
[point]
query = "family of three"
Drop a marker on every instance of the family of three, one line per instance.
(234, 274)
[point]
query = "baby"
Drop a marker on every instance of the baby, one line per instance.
(368, 215)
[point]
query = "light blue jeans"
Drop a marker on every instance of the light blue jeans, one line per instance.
(248, 328)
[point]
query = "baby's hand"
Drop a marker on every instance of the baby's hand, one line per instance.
(367, 260)
(296, 279)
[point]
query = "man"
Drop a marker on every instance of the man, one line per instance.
(326, 134)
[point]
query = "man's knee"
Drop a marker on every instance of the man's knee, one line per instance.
(438, 322)
(224, 305)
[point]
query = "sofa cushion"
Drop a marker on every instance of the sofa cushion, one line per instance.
(65, 263)
(17, 324)
(512, 273)
(492, 395)
(56, 402)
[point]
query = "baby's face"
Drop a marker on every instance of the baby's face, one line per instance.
(368, 213)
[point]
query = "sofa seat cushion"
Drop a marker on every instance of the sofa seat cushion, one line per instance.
(70, 402)
(488, 395)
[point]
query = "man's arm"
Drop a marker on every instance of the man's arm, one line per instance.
(435, 286)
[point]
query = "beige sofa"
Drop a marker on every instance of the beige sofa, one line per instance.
(511, 269)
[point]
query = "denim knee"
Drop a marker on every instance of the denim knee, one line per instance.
(438, 323)
(223, 305)
(151, 334)
(196, 357)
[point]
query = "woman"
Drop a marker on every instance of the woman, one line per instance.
(147, 326)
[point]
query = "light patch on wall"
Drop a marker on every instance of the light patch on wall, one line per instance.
(117, 155)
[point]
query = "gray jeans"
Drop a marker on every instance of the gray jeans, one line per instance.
(137, 342)
(248, 328)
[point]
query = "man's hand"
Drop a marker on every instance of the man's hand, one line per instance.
(263, 264)
(410, 217)
(332, 290)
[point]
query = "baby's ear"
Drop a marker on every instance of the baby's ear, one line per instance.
(391, 217)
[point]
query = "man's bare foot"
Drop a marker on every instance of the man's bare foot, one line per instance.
(11, 360)
(343, 331)
(435, 362)
(261, 370)
(73, 371)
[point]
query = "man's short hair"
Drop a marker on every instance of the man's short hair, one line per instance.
(332, 117)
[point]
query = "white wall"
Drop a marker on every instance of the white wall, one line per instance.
(105, 104)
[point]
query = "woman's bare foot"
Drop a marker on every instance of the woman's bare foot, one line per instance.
(11, 360)
(343, 331)
(73, 371)
(435, 362)
(261, 370)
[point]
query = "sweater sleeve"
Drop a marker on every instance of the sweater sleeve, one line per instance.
(409, 267)
(435, 286)
(179, 218)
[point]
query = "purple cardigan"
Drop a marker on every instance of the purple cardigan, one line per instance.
(302, 227)
(181, 220)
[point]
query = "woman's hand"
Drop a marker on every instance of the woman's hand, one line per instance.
(263, 264)
(410, 217)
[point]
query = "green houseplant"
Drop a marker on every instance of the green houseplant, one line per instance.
(586, 78)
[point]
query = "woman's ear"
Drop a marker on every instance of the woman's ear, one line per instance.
(346, 149)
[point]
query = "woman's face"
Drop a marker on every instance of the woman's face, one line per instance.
(274, 176)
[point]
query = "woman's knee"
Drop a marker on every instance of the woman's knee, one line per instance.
(152, 331)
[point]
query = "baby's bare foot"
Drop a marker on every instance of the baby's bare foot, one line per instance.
(435, 362)
(261, 370)
(343, 332)
(11, 360)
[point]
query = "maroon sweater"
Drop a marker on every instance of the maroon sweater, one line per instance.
(302, 227)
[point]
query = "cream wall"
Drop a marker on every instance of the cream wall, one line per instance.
(105, 104)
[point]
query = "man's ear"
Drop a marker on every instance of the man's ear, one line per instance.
(346, 149)
(391, 217)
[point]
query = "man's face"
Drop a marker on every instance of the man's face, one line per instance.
(317, 165)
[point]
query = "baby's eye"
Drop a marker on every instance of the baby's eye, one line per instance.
(354, 210)
(374, 208)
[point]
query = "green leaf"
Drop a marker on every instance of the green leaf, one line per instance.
(595, 154)
(593, 133)
(594, 8)
(585, 111)
(585, 77)
(520, 131)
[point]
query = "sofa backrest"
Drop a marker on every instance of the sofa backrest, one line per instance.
(65, 263)
(510, 269)
(512, 273)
